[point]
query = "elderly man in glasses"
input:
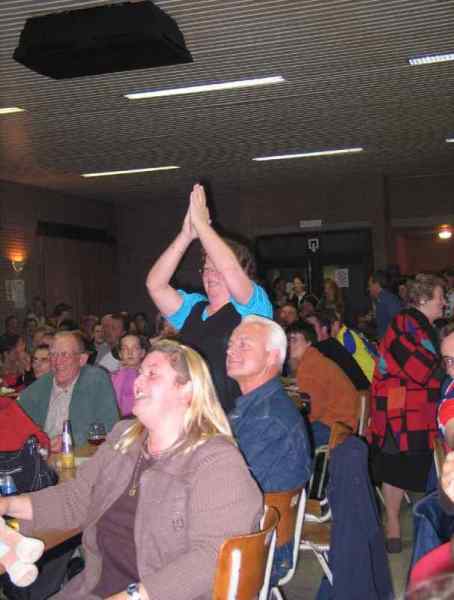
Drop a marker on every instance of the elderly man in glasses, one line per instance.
(434, 522)
(71, 390)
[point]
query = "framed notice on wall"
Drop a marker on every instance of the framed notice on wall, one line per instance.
(15, 292)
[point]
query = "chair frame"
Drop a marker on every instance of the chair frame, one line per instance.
(229, 590)
(297, 495)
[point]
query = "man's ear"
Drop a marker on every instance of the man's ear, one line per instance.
(83, 359)
(272, 360)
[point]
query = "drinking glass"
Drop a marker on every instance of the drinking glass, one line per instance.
(96, 434)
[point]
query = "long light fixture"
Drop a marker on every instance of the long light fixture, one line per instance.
(431, 58)
(129, 171)
(9, 110)
(210, 87)
(310, 154)
(449, 140)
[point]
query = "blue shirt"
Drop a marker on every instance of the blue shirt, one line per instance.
(272, 435)
(258, 304)
(387, 307)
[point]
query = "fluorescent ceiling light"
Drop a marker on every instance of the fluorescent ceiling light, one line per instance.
(129, 171)
(197, 89)
(431, 58)
(449, 140)
(310, 154)
(10, 110)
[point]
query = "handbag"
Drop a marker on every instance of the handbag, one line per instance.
(27, 467)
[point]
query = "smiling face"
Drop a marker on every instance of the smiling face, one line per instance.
(66, 360)
(159, 393)
(248, 360)
(214, 284)
(131, 353)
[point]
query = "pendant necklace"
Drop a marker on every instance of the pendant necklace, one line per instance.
(136, 476)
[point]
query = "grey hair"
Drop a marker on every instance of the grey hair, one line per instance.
(277, 339)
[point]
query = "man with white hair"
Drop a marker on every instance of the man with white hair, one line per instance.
(269, 429)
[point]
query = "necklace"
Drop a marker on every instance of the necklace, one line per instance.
(136, 475)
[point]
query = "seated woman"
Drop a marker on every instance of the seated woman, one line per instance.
(16, 364)
(159, 497)
(132, 349)
(40, 361)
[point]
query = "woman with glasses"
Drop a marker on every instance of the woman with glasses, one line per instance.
(205, 321)
(405, 392)
(160, 495)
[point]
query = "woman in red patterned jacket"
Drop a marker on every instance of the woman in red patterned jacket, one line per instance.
(405, 390)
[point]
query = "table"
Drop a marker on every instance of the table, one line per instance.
(54, 537)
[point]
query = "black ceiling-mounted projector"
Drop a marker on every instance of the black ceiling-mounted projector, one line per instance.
(101, 39)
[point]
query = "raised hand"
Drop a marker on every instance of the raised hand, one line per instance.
(200, 215)
(188, 230)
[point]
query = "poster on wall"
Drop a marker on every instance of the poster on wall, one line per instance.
(341, 277)
(15, 292)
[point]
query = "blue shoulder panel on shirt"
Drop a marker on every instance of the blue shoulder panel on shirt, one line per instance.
(259, 304)
(179, 317)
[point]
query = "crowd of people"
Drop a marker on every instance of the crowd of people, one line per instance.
(200, 422)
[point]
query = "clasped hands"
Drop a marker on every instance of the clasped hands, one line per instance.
(197, 215)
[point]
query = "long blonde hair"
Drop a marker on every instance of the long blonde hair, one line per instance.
(204, 417)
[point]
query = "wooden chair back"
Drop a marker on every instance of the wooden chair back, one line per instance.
(244, 563)
(364, 412)
(439, 455)
(291, 506)
(339, 433)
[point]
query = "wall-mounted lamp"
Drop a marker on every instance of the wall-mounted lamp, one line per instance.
(445, 232)
(18, 263)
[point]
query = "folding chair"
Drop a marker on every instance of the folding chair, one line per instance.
(290, 506)
(244, 563)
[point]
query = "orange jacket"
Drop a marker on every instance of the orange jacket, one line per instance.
(333, 396)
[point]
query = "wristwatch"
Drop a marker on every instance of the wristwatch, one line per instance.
(133, 591)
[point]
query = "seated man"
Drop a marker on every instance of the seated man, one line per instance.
(432, 526)
(269, 429)
(71, 390)
(359, 347)
(115, 326)
(333, 349)
(332, 396)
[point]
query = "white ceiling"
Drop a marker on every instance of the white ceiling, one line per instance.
(348, 83)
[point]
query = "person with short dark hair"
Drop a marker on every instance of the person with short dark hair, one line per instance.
(334, 350)
(332, 397)
(387, 305)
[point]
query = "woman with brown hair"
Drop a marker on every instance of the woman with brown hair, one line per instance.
(405, 390)
(206, 321)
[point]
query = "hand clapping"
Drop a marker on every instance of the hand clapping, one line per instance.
(197, 214)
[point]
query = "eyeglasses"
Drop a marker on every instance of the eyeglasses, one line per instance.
(448, 361)
(62, 355)
(207, 270)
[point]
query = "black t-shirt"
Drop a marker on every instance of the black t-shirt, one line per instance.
(210, 338)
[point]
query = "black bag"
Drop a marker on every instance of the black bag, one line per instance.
(27, 467)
